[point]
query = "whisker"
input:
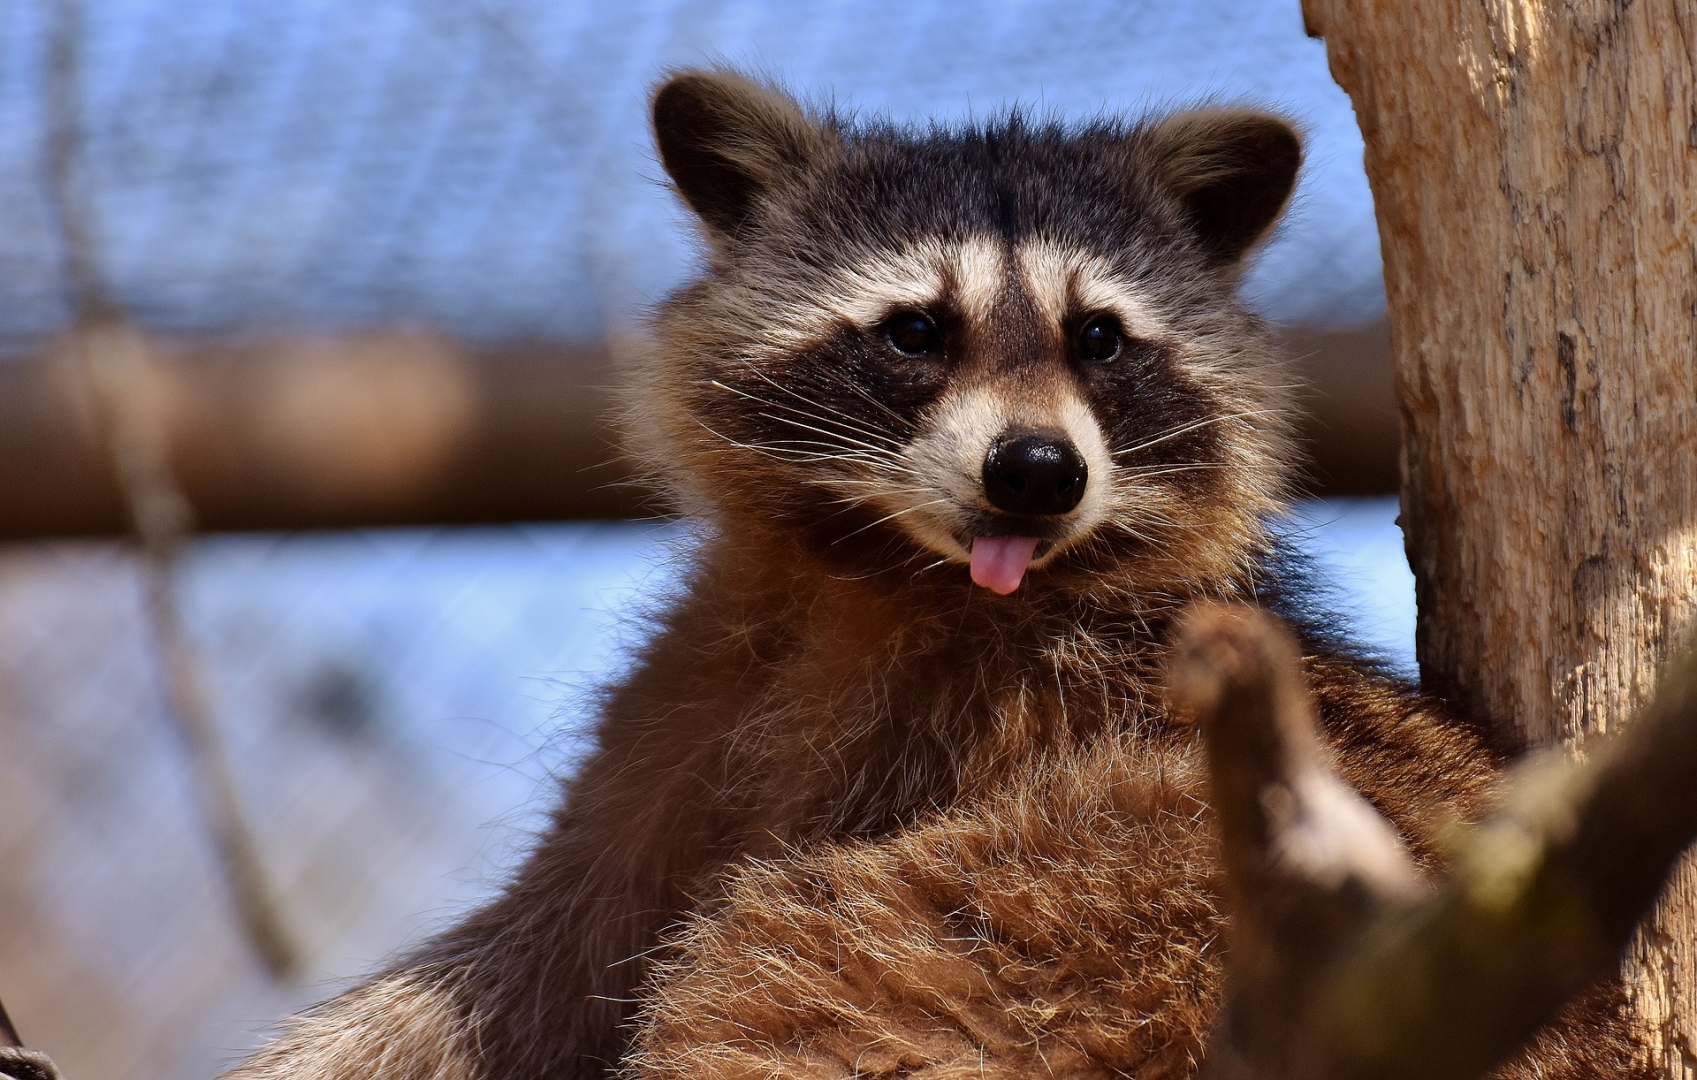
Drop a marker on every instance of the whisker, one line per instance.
(811, 413)
(846, 429)
(792, 453)
(858, 390)
(1140, 472)
(829, 434)
(831, 452)
(849, 500)
(933, 564)
(797, 452)
(1187, 428)
(879, 484)
(861, 392)
(891, 517)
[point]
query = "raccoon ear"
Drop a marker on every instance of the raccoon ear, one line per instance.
(1232, 170)
(725, 140)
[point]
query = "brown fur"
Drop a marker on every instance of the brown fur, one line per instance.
(1067, 925)
(977, 799)
(400, 1028)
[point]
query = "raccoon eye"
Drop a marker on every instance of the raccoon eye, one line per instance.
(913, 333)
(1100, 340)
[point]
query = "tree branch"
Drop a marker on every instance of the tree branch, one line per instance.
(114, 361)
(1343, 966)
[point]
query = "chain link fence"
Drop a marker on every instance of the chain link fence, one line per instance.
(481, 167)
(431, 180)
(393, 702)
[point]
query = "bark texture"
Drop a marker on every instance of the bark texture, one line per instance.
(1535, 171)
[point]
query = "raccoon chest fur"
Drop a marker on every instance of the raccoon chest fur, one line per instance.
(838, 709)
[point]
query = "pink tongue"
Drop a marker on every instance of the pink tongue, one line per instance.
(998, 562)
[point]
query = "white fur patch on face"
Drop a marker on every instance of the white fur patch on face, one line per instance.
(948, 459)
(981, 277)
(950, 450)
(1059, 280)
(1064, 281)
(868, 291)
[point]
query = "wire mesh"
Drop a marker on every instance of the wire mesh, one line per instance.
(394, 701)
(481, 167)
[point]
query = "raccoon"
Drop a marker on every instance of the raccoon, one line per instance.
(966, 414)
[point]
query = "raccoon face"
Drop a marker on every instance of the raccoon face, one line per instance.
(1013, 347)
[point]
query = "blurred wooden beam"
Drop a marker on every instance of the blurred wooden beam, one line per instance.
(1352, 428)
(381, 428)
(400, 428)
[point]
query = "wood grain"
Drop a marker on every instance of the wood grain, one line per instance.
(1534, 167)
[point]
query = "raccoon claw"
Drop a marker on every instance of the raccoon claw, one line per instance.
(999, 562)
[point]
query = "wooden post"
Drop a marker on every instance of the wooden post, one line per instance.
(1534, 166)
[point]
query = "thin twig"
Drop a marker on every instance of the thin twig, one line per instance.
(8, 1033)
(114, 361)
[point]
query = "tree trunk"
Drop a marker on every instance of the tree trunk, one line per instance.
(1534, 167)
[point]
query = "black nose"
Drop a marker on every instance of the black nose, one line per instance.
(1034, 474)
